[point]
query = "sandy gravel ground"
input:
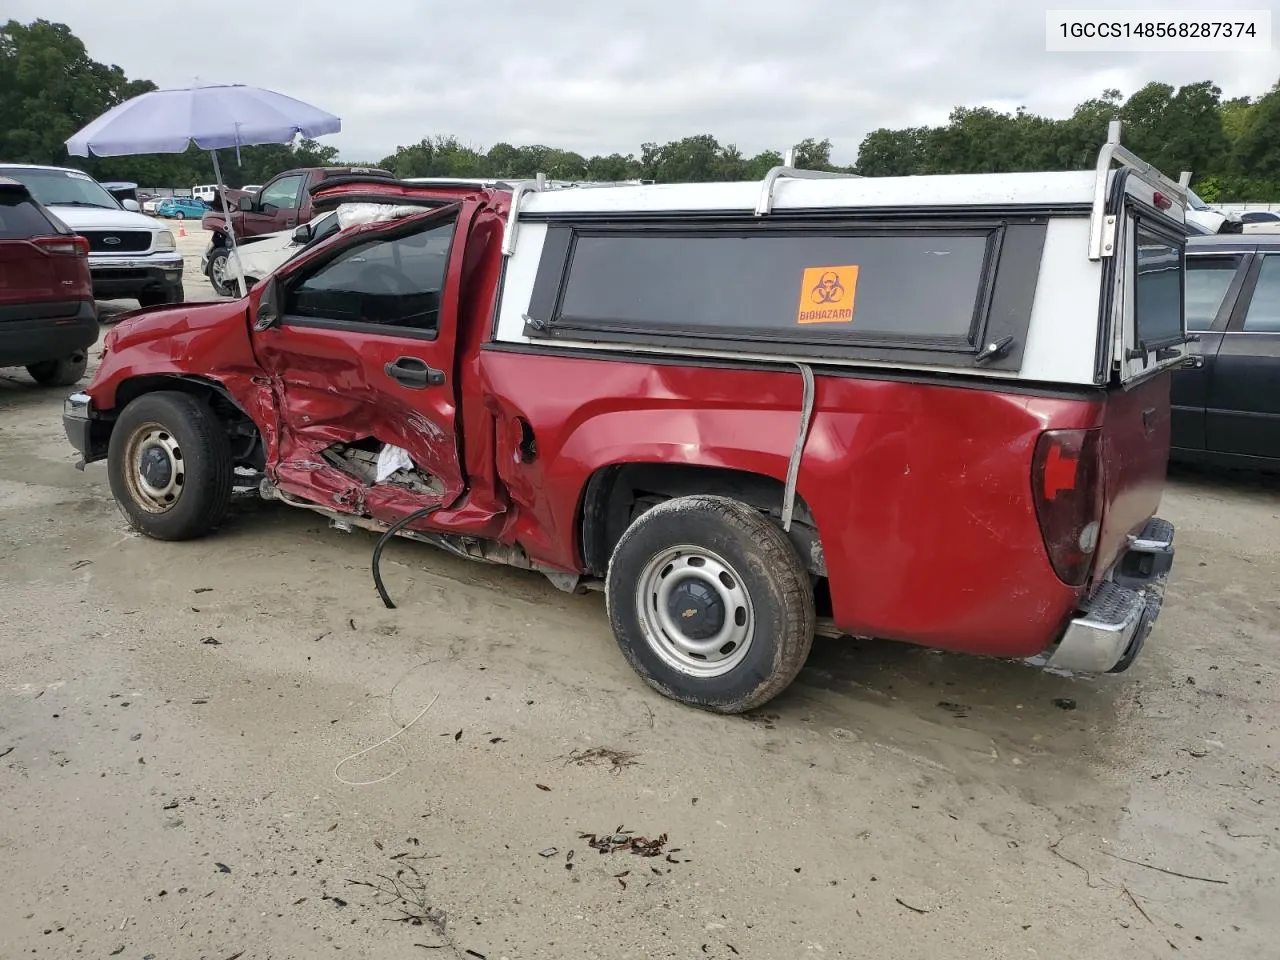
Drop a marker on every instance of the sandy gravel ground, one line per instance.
(171, 716)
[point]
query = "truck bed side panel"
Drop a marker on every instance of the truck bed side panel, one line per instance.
(921, 491)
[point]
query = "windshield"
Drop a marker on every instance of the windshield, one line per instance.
(66, 188)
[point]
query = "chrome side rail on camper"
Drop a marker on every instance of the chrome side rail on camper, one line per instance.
(789, 169)
(537, 185)
(1102, 228)
(513, 215)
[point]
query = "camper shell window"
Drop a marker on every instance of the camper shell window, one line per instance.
(931, 292)
(1159, 290)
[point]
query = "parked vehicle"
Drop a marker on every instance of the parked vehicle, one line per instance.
(932, 409)
(251, 187)
(130, 255)
(125, 192)
(208, 192)
(149, 205)
(268, 252)
(282, 203)
(1226, 401)
(1208, 220)
(47, 316)
(1261, 221)
(182, 208)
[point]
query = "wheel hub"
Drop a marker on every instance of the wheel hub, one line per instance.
(218, 269)
(695, 608)
(695, 611)
(156, 471)
(156, 468)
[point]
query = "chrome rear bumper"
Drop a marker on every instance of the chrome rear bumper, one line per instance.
(1107, 636)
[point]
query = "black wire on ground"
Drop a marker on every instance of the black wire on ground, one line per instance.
(382, 542)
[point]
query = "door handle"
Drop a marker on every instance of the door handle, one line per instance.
(414, 373)
(1194, 360)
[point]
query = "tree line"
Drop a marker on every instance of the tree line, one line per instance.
(50, 87)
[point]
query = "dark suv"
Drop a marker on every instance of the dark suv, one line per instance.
(47, 315)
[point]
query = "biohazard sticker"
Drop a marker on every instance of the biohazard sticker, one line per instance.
(826, 295)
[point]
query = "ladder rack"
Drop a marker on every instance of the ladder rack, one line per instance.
(1102, 227)
(763, 208)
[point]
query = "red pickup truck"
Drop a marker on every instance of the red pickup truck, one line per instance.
(931, 409)
(282, 202)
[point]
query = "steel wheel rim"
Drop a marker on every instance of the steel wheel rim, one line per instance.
(677, 594)
(154, 468)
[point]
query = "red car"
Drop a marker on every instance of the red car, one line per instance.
(48, 319)
(928, 409)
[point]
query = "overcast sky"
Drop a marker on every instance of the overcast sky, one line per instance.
(606, 76)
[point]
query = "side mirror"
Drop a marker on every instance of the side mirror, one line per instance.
(245, 203)
(268, 314)
(131, 205)
(302, 234)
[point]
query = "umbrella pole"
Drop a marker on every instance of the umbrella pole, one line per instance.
(231, 230)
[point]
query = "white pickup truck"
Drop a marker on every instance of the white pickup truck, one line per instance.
(131, 256)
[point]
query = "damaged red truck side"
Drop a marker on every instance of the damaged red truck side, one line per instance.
(624, 389)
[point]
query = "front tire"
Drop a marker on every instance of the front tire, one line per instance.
(216, 271)
(59, 373)
(710, 603)
(169, 465)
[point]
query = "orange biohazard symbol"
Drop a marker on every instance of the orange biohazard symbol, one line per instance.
(829, 289)
(827, 295)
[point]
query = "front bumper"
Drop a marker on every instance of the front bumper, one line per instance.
(127, 276)
(1108, 635)
(89, 435)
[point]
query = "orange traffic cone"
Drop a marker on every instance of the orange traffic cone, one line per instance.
(182, 232)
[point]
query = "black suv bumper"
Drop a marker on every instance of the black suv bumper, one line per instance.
(33, 333)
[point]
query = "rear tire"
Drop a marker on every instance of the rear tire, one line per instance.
(710, 603)
(59, 373)
(170, 467)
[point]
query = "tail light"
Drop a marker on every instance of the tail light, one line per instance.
(65, 246)
(1066, 483)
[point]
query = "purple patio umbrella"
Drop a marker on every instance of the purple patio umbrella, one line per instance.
(212, 116)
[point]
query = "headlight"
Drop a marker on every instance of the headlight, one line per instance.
(165, 241)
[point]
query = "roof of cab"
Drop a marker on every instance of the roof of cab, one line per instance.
(1073, 188)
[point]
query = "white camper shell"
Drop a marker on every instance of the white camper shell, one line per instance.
(1069, 278)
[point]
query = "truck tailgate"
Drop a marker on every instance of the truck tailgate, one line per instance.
(1135, 457)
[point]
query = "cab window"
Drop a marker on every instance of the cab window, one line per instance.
(282, 195)
(384, 282)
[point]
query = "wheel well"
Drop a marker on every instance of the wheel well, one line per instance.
(246, 442)
(616, 495)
